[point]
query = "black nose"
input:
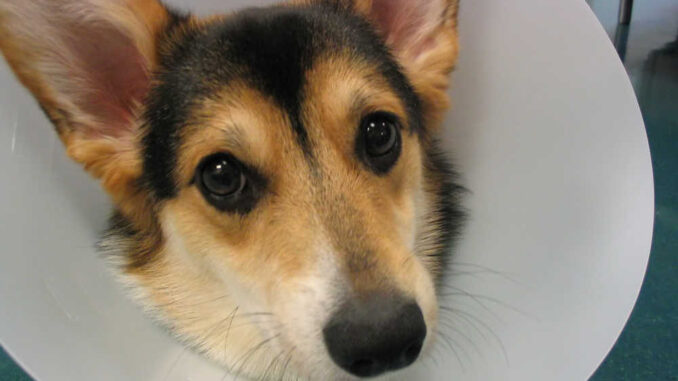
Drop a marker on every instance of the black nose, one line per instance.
(371, 336)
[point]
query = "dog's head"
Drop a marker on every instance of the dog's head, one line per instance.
(280, 201)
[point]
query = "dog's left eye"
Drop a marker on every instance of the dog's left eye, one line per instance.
(222, 177)
(228, 184)
(381, 136)
(379, 141)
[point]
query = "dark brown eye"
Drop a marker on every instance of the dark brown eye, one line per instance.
(228, 184)
(380, 135)
(222, 177)
(379, 141)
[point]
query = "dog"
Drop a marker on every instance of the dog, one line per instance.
(281, 203)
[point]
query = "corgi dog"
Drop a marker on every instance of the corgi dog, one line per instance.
(281, 204)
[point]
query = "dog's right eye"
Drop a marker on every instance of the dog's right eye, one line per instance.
(227, 184)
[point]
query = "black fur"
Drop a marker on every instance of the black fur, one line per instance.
(130, 247)
(272, 48)
(450, 215)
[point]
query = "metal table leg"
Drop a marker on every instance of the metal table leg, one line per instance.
(625, 10)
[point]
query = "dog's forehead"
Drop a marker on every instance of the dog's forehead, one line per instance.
(272, 49)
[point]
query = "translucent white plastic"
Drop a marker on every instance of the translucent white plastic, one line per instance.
(549, 140)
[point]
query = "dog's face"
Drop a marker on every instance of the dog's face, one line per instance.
(280, 201)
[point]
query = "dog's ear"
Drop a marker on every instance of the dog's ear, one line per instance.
(422, 35)
(88, 63)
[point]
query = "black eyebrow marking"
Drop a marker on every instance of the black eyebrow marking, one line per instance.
(271, 49)
(274, 46)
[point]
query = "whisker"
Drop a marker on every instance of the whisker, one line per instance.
(467, 317)
(216, 326)
(270, 366)
(470, 323)
(448, 341)
(461, 333)
(435, 350)
(228, 330)
(287, 363)
(174, 302)
(257, 314)
(475, 299)
(250, 322)
(248, 355)
(205, 301)
(487, 270)
(490, 299)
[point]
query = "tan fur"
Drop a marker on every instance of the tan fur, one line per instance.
(266, 282)
(429, 68)
(300, 219)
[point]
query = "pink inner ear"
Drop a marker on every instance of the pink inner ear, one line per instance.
(113, 77)
(403, 22)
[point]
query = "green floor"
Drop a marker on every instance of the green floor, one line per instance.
(10, 371)
(648, 347)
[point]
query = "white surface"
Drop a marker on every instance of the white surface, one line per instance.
(549, 139)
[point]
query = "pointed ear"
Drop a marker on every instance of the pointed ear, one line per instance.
(88, 63)
(422, 35)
